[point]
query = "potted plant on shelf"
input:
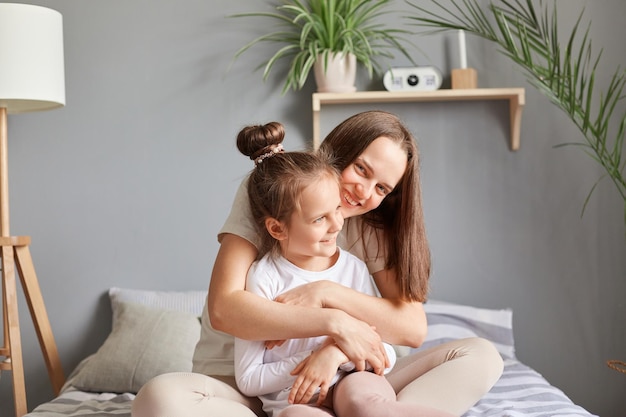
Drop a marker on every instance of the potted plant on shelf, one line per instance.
(331, 37)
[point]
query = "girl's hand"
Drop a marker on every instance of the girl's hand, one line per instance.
(307, 295)
(316, 371)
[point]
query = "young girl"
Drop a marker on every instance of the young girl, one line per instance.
(384, 227)
(295, 201)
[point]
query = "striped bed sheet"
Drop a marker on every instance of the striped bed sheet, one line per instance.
(521, 391)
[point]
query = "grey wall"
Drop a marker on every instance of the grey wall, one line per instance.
(129, 183)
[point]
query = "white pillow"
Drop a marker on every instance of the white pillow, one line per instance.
(187, 301)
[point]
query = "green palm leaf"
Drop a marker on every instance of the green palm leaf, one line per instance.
(529, 35)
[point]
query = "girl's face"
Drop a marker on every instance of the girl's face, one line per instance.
(310, 238)
(371, 176)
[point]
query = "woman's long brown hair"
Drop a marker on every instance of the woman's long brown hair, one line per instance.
(400, 216)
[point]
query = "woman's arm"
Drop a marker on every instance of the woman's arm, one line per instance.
(397, 321)
(403, 321)
(248, 316)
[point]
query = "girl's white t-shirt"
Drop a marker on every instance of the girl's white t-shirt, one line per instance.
(267, 373)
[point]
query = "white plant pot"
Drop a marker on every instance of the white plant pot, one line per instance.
(339, 76)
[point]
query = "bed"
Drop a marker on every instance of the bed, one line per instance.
(105, 383)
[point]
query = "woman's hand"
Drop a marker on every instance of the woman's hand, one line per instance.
(361, 344)
(398, 321)
(271, 344)
(307, 295)
(357, 339)
(316, 371)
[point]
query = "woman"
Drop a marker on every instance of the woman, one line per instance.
(381, 201)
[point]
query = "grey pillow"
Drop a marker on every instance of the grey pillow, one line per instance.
(144, 342)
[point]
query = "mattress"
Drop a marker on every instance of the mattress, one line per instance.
(521, 390)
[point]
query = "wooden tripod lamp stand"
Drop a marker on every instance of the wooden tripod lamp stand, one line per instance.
(32, 78)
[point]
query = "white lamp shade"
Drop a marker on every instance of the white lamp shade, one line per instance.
(32, 73)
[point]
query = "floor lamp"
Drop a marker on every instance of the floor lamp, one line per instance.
(31, 79)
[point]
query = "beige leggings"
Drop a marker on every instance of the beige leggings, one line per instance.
(362, 394)
(450, 377)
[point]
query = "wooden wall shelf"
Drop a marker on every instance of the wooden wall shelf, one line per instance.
(515, 96)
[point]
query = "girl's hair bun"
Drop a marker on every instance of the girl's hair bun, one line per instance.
(256, 140)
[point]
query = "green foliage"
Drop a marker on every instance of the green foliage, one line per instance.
(309, 28)
(565, 73)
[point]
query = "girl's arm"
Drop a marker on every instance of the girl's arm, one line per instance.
(255, 377)
(318, 371)
(398, 321)
(248, 316)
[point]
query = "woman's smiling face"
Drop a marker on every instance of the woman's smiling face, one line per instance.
(372, 176)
